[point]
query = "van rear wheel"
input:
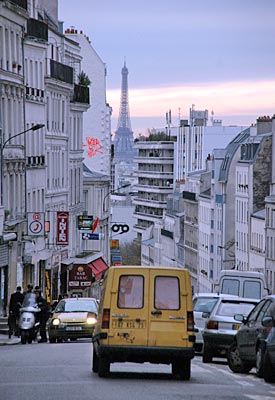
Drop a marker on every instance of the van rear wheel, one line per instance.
(103, 367)
(182, 369)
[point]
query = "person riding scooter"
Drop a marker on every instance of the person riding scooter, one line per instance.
(43, 314)
(28, 323)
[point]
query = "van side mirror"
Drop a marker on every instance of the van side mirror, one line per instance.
(268, 322)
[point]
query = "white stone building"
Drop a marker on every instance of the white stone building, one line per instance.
(97, 120)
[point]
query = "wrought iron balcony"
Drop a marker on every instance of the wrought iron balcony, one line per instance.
(81, 94)
(20, 3)
(61, 72)
(37, 29)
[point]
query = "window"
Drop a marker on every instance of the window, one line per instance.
(253, 315)
(263, 311)
(130, 291)
(167, 293)
(252, 289)
(229, 308)
(204, 304)
(230, 286)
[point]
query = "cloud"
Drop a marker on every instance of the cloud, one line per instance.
(230, 98)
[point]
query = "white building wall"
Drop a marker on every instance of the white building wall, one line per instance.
(257, 245)
(205, 278)
(96, 122)
(242, 220)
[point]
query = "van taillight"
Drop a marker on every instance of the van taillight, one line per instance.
(106, 319)
(190, 321)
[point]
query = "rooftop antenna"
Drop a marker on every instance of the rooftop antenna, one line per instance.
(212, 116)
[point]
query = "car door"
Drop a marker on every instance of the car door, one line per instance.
(167, 309)
(129, 309)
(247, 331)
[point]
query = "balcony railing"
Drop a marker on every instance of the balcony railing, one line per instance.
(167, 233)
(81, 94)
(37, 29)
(20, 3)
(61, 72)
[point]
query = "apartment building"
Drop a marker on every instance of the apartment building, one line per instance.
(41, 111)
(155, 173)
(96, 138)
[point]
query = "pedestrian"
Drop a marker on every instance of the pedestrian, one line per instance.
(65, 296)
(16, 301)
(42, 315)
(29, 289)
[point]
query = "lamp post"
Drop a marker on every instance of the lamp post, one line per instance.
(2, 146)
(113, 191)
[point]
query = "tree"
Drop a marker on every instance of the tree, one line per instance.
(83, 79)
(130, 253)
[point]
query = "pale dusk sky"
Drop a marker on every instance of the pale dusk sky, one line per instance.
(216, 54)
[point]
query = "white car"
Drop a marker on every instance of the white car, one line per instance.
(203, 304)
(221, 326)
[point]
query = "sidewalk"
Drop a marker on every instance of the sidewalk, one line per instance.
(4, 340)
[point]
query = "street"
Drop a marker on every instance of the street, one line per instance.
(62, 371)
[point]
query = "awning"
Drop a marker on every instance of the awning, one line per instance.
(98, 267)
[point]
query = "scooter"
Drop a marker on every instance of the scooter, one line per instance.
(28, 321)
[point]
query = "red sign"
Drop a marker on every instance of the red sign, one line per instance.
(62, 228)
(80, 277)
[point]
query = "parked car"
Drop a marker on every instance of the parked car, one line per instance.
(269, 351)
(73, 318)
(221, 326)
(203, 305)
(248, 347)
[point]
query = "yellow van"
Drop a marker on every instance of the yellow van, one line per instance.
(145, 315)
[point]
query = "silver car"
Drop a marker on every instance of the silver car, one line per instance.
(203, 304)
(221, 326)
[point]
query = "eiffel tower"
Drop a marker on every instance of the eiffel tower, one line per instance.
(124, 139)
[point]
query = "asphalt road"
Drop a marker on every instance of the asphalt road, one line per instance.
(62, 371)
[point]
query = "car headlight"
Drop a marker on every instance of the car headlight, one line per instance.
(91, 320)
(56, 321)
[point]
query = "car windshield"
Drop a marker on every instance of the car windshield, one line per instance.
(204, 304)
(77, 306)
(29, 300)
(230, 308)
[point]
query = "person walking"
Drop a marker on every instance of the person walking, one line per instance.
(43, 315)
(16, 301)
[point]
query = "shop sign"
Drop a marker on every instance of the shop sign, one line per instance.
(80, 276)
(85, 222)
(62, 228)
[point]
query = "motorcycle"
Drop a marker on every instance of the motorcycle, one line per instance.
(28, 320)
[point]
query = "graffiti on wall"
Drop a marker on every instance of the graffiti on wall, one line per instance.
(93, 146)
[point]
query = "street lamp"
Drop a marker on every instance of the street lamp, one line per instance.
(2, 146)
(114, 191)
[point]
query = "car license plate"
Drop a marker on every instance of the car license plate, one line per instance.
(128, 324)
(73, 328)
(235, 327)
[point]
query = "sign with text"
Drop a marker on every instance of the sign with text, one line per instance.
(80, 276)
(85, 222)
(92, 236)
(62, 236)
